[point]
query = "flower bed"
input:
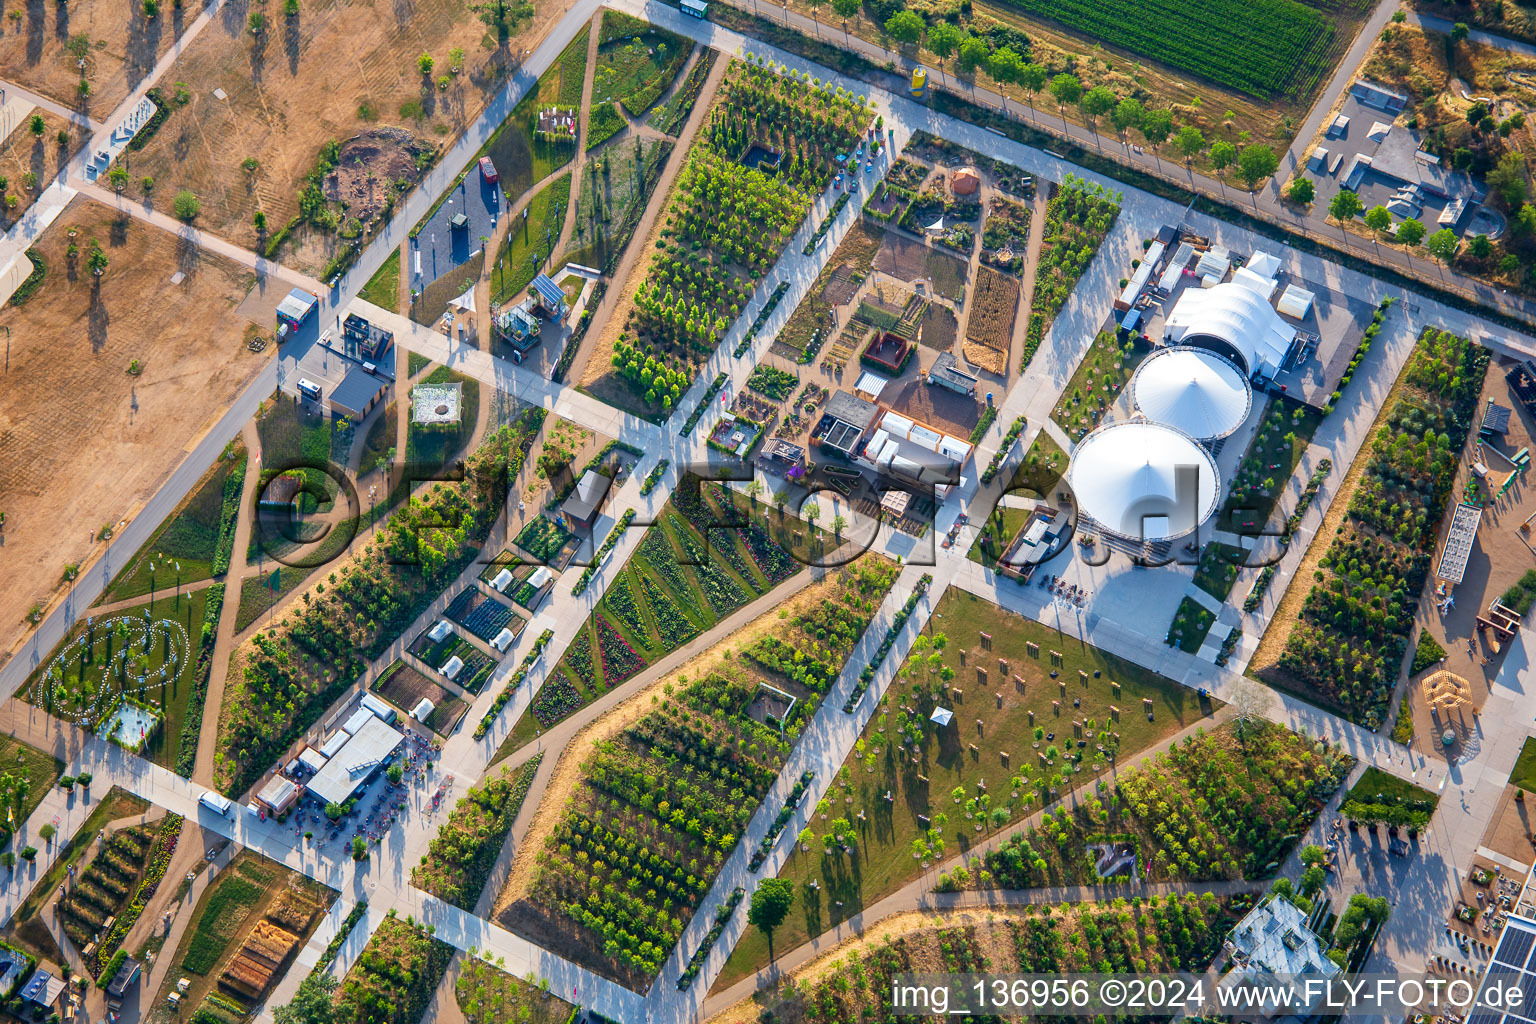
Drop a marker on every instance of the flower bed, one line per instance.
(461, 855)
(580, 586)
(482, 615)
(826, 225)
(996, 463)
(867, 676)
(557, 698)
(722, 918)
(785, 815)
(513, 682)
(619, 659)
(772, 382)
(698, 410)
(653, 477)
(542, 538)
(1078, 217)
(761, 318)
(159, 859)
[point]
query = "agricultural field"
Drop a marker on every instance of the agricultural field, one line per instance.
(148, 365)
(725, 223)
(118, 43)
(485, 992)
(685, 577)
(461, 855)
(1005, 234)
(1222, 804)
(772, 383)
(1077, 218)
(854, 980)
(910, 260)
(636, 62)
(670, 779)
(383, 288)
(934, 775)
(1106, 368)
(544, 540)
(1345, 648)
(106, 884)
(394, 977)
(246, 926)
(989, 324)
(323, 148)
(805, 330)
(195, 542)
(282, 678)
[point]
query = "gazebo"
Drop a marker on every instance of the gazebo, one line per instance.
(1446, 692)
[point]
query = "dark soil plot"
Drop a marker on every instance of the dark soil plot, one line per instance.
(939, 327)
(938, 407)
(910, 260)
(993, 306)
(480, 613)
(404, 687)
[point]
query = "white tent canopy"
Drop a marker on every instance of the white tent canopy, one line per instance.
(501, 581)
(941, 716)
(1194, 390)
(1144, 480)
(464, 303)
(1237, 316)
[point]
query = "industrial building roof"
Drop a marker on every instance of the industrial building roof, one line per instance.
(369, 747)
(589, 494)
(357, 391)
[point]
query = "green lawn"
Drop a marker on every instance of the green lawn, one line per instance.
(529, 242)
(1524, 774)
(380, 440)
(1042, 468)
(294, 436)
(636, 63)
(383, 288)
(996, 532)
(1191, 621)
(429, 449)
(1009, 709)
(1104, 372)
(1271, 458)
(257, 595)
(189, 540)
(1377, 786)
(42, 771)
(614, 192)
(221, 911)
(1219, 565)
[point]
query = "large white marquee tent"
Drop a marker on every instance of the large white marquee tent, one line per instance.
(1194, 390)
(1143, 480)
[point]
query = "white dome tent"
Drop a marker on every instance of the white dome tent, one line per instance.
(1144, 481)
(1193, 390)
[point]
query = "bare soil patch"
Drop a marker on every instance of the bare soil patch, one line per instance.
(937, 407)
(82, 442)
(368, 162)
(333, 72)
(22, 154)
(119, 45)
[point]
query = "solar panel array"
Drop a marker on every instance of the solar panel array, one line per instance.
(1511, 961)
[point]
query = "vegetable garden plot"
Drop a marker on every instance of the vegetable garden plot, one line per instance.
(480, 613)
(404, 687)
(1264, 48)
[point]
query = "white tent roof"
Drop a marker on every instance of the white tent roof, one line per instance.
(1238, 316)
(871, 383)
(941, 715)
(502, 579)
(1126, 477)
(453, 667)
(1296, 301)
(937, 225)
(1194, 390)
(465, 302)
(439, 630)
(356, 722)
(539, 577)
(423, 710)
(1264, 264)
(503, 640)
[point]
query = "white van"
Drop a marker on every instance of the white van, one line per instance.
(309, 389)
(218, 804)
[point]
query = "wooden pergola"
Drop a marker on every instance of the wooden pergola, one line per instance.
(1445, 692)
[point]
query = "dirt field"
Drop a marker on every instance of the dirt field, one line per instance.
(23, 153)
(82, 442)
(338, 69)
(912, 260)
(41, 50)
